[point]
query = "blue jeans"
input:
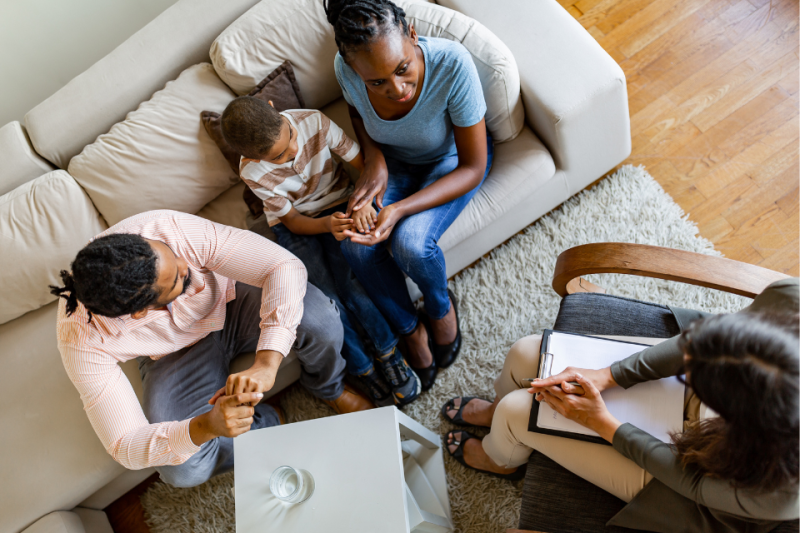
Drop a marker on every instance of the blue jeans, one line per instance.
(329, 271)
(414, 242)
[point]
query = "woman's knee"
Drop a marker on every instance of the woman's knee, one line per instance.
(514, 410)
(358, 253)
(410, 246)
(524, 355)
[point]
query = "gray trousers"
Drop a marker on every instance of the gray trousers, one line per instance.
(178, 386)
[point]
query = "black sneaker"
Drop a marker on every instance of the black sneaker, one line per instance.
(405, 383)
(377, 388)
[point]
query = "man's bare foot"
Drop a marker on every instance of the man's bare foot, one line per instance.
(474, 454)
(418, 353)
(477, 411)
(445, 329)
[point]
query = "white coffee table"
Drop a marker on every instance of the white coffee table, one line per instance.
(375, 470)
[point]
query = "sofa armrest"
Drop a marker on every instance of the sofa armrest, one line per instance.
(574, 93)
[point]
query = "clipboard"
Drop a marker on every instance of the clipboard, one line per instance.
(545, 368)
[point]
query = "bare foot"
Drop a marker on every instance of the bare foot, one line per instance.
(445, 329)
(418, 352)
(477, 412)
(474, 454)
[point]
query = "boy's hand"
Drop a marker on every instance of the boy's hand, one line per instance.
(365, 218)
(339, 224)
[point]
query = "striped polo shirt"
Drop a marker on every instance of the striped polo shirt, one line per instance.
(309, 183)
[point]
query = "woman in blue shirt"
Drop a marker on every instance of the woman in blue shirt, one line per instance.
(417, 108)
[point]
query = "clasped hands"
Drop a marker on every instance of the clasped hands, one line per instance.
(234, 404)
(582, 403)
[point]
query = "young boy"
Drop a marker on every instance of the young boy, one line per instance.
(286, 162)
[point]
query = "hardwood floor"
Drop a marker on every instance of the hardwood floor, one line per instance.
(713, 94)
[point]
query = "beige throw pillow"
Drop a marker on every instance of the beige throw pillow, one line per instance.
(20, 163)
(275, 31)
(160, 156)
(43, 225)
(496, 66)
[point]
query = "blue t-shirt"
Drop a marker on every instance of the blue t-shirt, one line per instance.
(451, 94)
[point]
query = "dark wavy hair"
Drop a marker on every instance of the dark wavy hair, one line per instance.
(358, 23)
(112, 276)
(744, 366)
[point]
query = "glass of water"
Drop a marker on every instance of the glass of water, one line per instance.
(291, 485)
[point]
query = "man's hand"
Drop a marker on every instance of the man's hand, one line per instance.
(230, 417)
(365, 218)
(339, 224)
(258, 378)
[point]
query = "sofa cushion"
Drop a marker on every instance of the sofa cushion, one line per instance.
(160, 156)
(496, 66)
(519, 169)
(102, 95)
(275, 31)
(57, 522)
(20, 163)
(43, 224)
(58, 459)
(280, 88)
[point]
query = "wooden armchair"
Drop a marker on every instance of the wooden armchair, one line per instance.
(543, 512)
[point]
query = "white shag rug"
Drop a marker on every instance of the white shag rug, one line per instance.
(501, 298)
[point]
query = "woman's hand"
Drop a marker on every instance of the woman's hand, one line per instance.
(371, 184)
(602, 380)
(387, 219)
(587, 409)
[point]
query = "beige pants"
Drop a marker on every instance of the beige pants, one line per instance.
(510, 443)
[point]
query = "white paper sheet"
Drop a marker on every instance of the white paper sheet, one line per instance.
(654, 406)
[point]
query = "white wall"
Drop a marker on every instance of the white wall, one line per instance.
(46, 43)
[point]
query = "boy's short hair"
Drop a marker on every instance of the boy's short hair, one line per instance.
(251, 126)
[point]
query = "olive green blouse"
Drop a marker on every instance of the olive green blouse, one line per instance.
(681, 498)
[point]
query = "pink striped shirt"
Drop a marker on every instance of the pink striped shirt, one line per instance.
(218, 256)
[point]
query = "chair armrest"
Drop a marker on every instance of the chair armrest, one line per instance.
(574, 93)
(662, 263)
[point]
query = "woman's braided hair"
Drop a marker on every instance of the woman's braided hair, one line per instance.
(112, 276)
(357, 23)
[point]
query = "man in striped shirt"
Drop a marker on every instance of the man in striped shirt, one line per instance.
(186, 296)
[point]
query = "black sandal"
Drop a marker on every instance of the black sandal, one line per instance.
(458, 420)
(426, 375)
(458, 455)
(446, 354)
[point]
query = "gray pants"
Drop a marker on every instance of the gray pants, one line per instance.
(178, 386)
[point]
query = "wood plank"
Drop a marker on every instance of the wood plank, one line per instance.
(735, 99)
(788, 203)
(643, 18)
(754, 155)
(622, 12)
(775, 165)
(761, 199)
(786, 260)
(674, 17)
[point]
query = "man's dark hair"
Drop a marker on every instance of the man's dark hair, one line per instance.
(112, 276)
(251, 126)
(744, 366)
(357, 23)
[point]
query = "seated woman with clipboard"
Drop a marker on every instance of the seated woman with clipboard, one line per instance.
(734, 471)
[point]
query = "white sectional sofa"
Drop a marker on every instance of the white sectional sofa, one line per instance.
(56, 476)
